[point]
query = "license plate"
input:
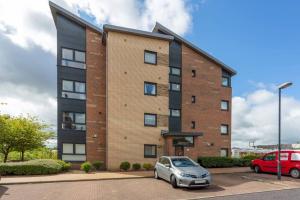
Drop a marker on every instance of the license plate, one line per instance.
(200, 181)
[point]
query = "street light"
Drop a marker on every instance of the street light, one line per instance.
(280, 87)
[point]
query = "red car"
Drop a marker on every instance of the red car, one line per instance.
(290, 163)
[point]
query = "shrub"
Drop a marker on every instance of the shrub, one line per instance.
(125, 166)
(212, 162)
(147, 166)
(98, 164)
(32, 167)
(136, 166)
(65, 165)
(86, 166)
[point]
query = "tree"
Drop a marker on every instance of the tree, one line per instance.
(30, 134)
(7, 135)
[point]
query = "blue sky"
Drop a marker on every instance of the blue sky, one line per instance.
(260, 39)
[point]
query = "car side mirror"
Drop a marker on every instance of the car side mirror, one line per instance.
(167, 165)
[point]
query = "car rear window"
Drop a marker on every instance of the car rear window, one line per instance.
(295, 157)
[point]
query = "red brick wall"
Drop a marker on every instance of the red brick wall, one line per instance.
(206, 112)
(96, 97)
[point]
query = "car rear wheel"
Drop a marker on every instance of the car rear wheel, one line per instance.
(256, 169)
(156, 175)
(295, 173)
(173, 181)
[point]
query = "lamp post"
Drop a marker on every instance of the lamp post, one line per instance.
(280, 87)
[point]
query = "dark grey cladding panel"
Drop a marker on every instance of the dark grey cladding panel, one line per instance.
(174, 79)
(175, 124)
(225, 73)
(175, 100)
(72, 105)
(70, 34)
(175, 54)
(69, 73)
(68, 136)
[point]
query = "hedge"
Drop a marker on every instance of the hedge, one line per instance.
(212, 162)
(34, 167)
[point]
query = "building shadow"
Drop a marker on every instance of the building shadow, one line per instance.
(3, 189)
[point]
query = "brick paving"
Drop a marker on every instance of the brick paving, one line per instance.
(80, 176)
(145, 188)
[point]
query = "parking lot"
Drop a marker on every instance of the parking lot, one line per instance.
(146, 188)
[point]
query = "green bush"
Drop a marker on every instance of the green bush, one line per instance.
(65, 166)
(147, 166)
(32, 167)
(86, 166)
(125, 166)
(136, 166)
(212, 162)
(98, 164)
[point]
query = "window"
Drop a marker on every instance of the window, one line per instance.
(73, 58)
(224, 129)
(67, 148)
(73, 152)
(224, 152)
(193, 125)
(193, 99)
(224, 105)
(149, 88)
(284, 156)
(150, 57)
(295, 157)
(73, 90)
(73, 121)
(150, 151)
(174, 87)
(175, 71)
(270, 157)
(150, 119)
(225, 81)
(193, 73)
(183, 141)
(174, 113)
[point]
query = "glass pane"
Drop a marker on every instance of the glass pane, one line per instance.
(79, 87)
(223, 153)
(183, 141)
(67, 85)
(149, 150)
(67, 54)
(295, 156)
(73, 95)
(79, 127)
(175, 113)
(150, 120)
(74, 157)
(284, 156)
(225, 81)
(80, 118)
(73, 64)
(224, 105)
(175, 71)
(80, 56)
(67, 148)
(175, 87)
(150, 57)
(150, 88)
(224, 129)
(67, 120)
(79, 148)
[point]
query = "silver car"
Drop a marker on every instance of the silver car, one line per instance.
(181, 171)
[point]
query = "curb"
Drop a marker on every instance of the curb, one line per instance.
(96, 179)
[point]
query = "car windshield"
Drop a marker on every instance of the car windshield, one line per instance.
(182, 162)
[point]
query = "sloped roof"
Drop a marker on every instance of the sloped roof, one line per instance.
(160, 28)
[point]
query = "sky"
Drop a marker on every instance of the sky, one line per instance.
(259, 39)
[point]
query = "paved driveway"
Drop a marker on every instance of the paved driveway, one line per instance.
(146, 188)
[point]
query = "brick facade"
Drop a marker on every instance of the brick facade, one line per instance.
(96, 96)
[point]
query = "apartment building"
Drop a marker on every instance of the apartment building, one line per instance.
(131, 95)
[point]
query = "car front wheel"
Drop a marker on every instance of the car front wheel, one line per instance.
(295, 173)
(173, 181)
(256, 169)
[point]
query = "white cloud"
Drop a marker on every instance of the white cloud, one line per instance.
(255, 118)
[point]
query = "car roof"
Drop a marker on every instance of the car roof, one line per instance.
(174, 157)
(286, 150)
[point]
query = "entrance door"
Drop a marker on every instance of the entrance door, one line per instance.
(179, 151)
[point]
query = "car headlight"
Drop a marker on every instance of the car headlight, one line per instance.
(186, 175)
